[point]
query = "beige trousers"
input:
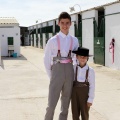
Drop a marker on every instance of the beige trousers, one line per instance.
(61, 82)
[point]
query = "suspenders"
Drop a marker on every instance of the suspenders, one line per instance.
(87, 75)
(58, 41)
(81, 84)
(60, 59)
(76, 73)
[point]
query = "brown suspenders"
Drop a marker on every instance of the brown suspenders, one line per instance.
(81, 84)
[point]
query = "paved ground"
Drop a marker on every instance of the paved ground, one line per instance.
(24, 89)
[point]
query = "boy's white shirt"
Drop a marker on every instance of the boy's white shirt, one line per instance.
(51, 49)
(81, 76)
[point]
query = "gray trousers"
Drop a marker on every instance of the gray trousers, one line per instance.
(61, 82)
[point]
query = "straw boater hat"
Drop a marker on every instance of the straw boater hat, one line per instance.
(82, 52)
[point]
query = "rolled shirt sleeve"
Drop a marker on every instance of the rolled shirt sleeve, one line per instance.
(91, 93)
(76, 45)
(47, 58)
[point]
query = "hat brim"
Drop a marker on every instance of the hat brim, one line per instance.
(78, 53)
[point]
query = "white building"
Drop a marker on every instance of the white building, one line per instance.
(112, 28)
(95, 29)
(9, 36)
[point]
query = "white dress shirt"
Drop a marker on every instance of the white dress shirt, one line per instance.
(81, 77)
(51, 49)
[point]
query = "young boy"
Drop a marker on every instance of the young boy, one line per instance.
(83, 86)
(58, 63)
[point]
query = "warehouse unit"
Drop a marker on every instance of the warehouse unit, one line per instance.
(0, 52)
(112, 35)
(31, 35)
(34, 35)
(9, 36)
(50, 30)
(88, 30)
(40, 35)
(24, 36)
(99, 36)
(97, 29)
(44, 34)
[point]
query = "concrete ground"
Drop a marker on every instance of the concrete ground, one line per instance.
(24, 89)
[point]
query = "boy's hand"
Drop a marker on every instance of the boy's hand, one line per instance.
(89, 104)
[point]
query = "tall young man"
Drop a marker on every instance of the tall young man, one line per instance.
(58, 62)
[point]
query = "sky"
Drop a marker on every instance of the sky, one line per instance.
(28, 11)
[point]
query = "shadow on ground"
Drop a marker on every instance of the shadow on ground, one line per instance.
(21, 57)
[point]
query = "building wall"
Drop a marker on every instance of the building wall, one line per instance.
(72, 29)
(88, 31)
(0, 51)
(34, 40)
(50, 35)
(50, 23)
(26, 40)
(24, 36)
(35, 36)
(44, 40)
(38, 40)
(112, 28)
(44, 24)
(10, 32)
(73, 17)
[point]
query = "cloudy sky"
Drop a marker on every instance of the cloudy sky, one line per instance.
(28, 11)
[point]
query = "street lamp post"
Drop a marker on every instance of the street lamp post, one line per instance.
(73, 8)
(37, 39)
(38, 21)
(77, 20)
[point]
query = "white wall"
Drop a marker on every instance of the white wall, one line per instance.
(72, 29)
(31, 38)
(44, 24)
(38, 40)
(44, 41)
(50, 23)
(112, 28)
(0, 51)
(34, 40)
(88, 31)
(89, 14)
(26, 41)
(40, 46)
(74, 17)
(50, 35)
(10, 32)
(56, 21)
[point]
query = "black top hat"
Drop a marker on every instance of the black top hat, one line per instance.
(82, 52)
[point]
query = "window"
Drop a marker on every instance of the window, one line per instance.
(10, 40)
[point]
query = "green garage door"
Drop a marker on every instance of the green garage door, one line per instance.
(78, 33)
(99, 43)
(41, 40)
(33, 39)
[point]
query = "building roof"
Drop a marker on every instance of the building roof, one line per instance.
(8, 20)
(97, 7)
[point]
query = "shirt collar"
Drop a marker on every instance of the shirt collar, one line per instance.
(85, 67)
(63, 35)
